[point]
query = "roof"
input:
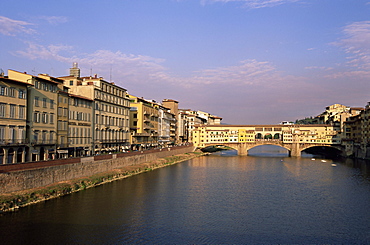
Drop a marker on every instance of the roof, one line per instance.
(79, 96)
(5, 79)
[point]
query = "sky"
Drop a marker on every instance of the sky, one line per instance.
(247, 61)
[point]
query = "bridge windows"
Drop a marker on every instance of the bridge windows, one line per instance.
(268, 136)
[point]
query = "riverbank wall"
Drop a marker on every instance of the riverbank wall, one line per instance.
(119, 169)
(67, 169)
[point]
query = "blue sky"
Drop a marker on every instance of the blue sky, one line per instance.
(248, 61)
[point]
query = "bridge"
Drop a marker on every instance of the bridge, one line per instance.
(294, 138)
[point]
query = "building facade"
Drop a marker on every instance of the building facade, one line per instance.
(13, 112)
(110, 112)
(42, 111)
(144, 117)
(80, 127)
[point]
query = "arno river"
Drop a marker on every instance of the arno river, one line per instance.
(264, 198)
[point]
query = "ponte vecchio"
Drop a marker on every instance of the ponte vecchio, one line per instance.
(294, 138)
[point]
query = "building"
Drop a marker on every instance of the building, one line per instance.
(80, 127)
(144, 118)
(62, 104)
(41, 130)
(14, 146)
(110, 111)
(166, 127)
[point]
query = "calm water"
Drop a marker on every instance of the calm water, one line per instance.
(216, 199)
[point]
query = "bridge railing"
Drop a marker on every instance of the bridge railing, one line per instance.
(268, 140)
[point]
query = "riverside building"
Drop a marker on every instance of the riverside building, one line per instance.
(144, 117)
(13, 108)
(111, 113)
(41, 130)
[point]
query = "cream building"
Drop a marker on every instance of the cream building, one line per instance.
(42, 108)
(166, 127)
(110, 112)
(80, 126)
(13, 111)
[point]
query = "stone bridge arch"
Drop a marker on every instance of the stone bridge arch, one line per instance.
(339, 149)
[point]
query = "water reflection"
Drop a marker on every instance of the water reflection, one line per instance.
(264, 198)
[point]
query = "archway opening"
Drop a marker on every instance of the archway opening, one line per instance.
(268, 136)
(322, 151)
(268, 151)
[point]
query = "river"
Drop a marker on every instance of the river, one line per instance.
(264, 198)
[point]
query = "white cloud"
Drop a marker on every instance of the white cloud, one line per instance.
(51, 52)
(248, 72)
(356, 43)
(254, 4)
(323, 68)
(10, 27)
(54, 19)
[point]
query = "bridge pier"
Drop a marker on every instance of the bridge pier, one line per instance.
(295, 151)
(242, 149)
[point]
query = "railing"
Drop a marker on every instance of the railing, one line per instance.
(13, 141)
(268, 140)
(113, 141)
(43, 142)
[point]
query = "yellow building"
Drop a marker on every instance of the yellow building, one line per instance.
(13, 111)
(42, 108)
(144, 116)
(62, 104)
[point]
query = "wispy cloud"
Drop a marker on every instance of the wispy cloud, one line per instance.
(10, 27)
(51, 52)
(54, 19)
(253, 4)
(356, 43)
(248, 72)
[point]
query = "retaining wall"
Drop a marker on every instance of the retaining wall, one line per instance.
(63, 170)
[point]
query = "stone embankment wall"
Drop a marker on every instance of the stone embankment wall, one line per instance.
(47, 173)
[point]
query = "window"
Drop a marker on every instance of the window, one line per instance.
(37, 85)
(3, 90)
(12, 111)
(21, 111)
(12, 92)
(51, 104)
(52, 118)
(22, 94)
(71, 83)
(36, 135)
(2, 109)
(44, 102)
(36, 101)
(12, 133)
(44, 117)
(36, 116)
(2, 134)
(65, 112)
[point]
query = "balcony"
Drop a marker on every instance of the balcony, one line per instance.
(43, 142)
(9, 142)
